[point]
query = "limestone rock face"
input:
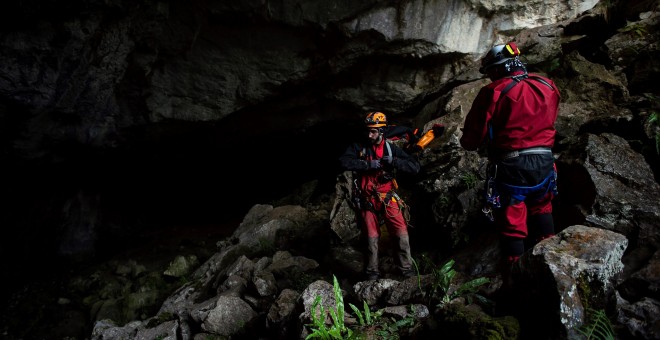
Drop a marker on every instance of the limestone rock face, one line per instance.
(621, 194)
(562, 275)
(111, 67)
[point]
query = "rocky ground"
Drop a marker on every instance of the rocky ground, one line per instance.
(53, 302)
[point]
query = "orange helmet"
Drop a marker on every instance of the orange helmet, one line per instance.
(375, 119)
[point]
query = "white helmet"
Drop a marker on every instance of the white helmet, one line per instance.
(498, 55)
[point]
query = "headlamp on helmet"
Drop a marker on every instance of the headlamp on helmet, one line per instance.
(375, 120)
(498, 55)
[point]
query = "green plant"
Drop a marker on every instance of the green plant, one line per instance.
(470, 180)
(652, 120)
(366, 319)
(470, 290)
(442, 278)
(338, 329)
(599, 328)
(419, 279)
(444, 201)
(385, 329)
(390, 330)
(442, 283)
(637, 29)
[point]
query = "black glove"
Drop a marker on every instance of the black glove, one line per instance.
(387, 159)
(373, 164)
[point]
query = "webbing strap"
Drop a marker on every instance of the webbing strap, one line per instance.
(387, 146)
(522, 77)
(520, 192)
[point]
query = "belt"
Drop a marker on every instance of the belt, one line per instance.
(529, 151)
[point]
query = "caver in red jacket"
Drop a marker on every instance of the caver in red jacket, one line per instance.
(523, 118)
(515, 116)
(374, 163)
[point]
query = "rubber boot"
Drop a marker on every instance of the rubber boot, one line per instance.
(509, 262)
(372, 271)
(512, 249)
(404, 260)
(505, 296)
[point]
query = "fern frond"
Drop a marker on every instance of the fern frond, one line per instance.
(357, 313)
(367, 313)
(600, 327)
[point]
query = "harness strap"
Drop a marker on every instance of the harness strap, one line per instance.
(520, 193)
(541, 80)
(385, 198)
(387, 147)
(522, 77)
(493, 189)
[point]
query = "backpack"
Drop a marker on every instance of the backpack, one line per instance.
(516, 79)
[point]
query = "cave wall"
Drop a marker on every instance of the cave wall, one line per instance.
(119, 116)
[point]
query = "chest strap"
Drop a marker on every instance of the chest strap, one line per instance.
(387, 147)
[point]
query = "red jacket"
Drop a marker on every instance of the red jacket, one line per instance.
(354, 160)
(523, 118)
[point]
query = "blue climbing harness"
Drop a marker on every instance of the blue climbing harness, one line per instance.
(494, 189)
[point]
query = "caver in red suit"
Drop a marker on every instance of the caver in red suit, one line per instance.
(515, 116)
(374, 164)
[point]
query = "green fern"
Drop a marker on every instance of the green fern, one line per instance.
(357, 312)
(600, 327)
(469, 289)
(390, 330)
(442, 281)
(366, 318)
(637, 29)
(419, 278)
(319, 329)
(338, 328)
(443, 278)
(654, 119)
(386, 329)
(470, 180)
